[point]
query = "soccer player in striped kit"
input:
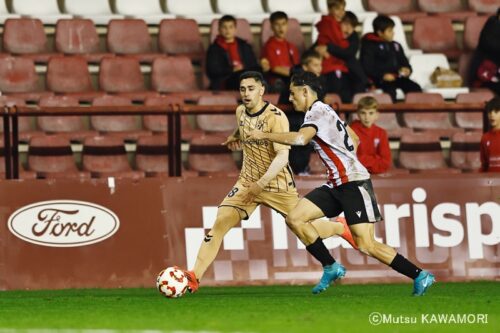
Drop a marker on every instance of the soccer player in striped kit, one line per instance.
(347, 190)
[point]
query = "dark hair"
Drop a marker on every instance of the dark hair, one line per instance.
(309, 79)
(381, 23)
(311, 53)
(335, 3)
(257, 76)
(227, 18)
(493, 104)
(350, 18)
(279, 15)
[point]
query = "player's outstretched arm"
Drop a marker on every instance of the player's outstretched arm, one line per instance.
(279, 162)
(300, 138)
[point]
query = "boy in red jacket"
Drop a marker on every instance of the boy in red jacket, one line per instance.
(343, 72)
(278, 54)
(373, 150)
(490, 141)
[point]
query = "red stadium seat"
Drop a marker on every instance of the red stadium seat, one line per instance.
(173, 74)
(18, 78)
(208, 157)
(51, 157)
(421, 153)
(122, 75)
(70, 127)
(79, 37)
(435, 35)
(26, 37)
(484, 6)
(449, 8)
(124, 127)
(70, 76)
(243, 30)
(181, 37)
(217, 123)
(464, 151)
(105, 156)
(472, 30)
(436, 122)
(405, 9)
(159, 124)
(294, 34)
(131, 37)
(472, 120)
(386, 120)
(152, 156)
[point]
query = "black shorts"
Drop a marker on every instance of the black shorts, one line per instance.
(356, 199)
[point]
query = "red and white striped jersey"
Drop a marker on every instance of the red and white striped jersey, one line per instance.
(334, 145)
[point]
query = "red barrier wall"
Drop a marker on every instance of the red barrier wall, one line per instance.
(450, 226)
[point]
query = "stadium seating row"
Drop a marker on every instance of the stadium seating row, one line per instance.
(202, 11)
(130, 128)
(26, 37)
(103, 156)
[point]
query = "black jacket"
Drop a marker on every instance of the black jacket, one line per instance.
(488, 46)
(345, 53)
(219, 65)
(379, 57)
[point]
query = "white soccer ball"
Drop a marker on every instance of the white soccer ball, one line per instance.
(171, 282)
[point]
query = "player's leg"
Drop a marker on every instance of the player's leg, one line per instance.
(231, 211)
(338, 227)
(227, 218)
(361, 210)
(316, 204)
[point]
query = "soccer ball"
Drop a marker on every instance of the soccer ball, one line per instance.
(171, 282)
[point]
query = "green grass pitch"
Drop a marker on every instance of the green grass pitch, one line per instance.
(288, 309)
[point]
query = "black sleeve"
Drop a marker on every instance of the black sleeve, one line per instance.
(488, 39)
(401, 56)
(248, 57)
(348, 52)
(368, 61)
(217, 62)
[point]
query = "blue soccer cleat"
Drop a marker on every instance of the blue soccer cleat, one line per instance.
(423, 281)
(331, 273)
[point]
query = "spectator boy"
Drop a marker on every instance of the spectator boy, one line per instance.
(278, 54)
(342, 70)
(373, 149)
(490, 141)
(228, 56)
(384, 60)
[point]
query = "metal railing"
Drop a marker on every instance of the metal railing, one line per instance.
(173, 113)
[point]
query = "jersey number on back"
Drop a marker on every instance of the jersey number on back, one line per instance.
(342, 128)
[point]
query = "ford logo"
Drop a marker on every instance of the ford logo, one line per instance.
(63, 223)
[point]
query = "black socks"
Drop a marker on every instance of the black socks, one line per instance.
(402, 265)
(319, 251)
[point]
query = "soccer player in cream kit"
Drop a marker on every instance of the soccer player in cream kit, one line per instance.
(265, 178)
(347, 190)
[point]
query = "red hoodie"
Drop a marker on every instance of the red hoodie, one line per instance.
(373, 150)
(280, 52)
(490, 151)
(231, 49)
(330, 32)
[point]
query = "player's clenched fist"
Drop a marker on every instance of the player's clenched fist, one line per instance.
(232, 142)
(251, 192)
